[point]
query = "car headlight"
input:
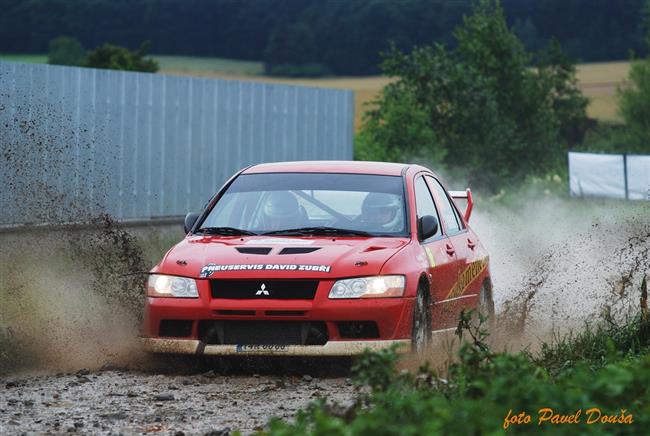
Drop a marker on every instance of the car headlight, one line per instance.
(171, 286)
(369, 287)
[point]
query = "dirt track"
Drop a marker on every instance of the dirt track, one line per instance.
(75, 302)
(133, 402)
(567, 262)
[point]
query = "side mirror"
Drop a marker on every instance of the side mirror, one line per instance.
(427, 226)
(190, 219)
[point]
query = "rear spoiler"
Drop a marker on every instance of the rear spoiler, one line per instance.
(465, 195)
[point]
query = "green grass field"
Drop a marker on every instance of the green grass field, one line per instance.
(598, 80)
(170, 64)
(25, 58)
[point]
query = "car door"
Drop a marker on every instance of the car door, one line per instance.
(454, 227)
(443, 264)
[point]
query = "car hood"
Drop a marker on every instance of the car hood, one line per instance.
(280, 257)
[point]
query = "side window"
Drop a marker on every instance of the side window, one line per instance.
(424, 203)
(449, 214)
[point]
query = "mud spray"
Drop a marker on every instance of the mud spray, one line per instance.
(559, 265)
(72, 298)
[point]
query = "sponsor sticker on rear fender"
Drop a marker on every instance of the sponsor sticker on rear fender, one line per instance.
(211, 268)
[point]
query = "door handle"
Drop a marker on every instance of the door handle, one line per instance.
(450, 249)
(470, 244)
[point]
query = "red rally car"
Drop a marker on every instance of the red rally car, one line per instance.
(318, 258)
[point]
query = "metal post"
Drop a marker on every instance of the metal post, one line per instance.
(627, 192)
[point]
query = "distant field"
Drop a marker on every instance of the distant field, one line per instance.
(598, 81)
(170, 64)
(189, 64)
(26, 58)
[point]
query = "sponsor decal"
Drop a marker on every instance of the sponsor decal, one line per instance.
(243, 348)
(279, 241)
(472, 271)
(211, 268)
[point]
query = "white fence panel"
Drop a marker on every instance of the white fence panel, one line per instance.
(638, 177)
(598, 175)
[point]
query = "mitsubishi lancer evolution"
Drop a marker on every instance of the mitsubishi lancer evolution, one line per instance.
(319, 259)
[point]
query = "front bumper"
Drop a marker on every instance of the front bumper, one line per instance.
(392, 317)
(331, 348)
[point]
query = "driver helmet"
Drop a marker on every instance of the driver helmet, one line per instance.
(280, 210)
(381, 211)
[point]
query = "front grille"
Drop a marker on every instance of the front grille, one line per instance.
(263, 332)
(358, 329)
(175, 328)
(265, 289)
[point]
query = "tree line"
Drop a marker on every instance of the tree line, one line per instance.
(487, 110)
(312, 37)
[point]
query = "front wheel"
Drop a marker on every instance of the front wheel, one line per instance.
(421, 335)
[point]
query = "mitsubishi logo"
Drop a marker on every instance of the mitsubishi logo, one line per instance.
(262, 290)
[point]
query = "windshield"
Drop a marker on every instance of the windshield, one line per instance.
(273, 202)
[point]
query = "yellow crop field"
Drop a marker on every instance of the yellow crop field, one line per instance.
(599, 81)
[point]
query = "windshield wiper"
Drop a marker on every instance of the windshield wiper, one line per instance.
(225, 231)
(321, 230)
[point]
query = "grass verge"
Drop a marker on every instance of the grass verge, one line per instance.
(596, 382)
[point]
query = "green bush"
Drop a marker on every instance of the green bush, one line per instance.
(114, 57)
(479, 105)
(634, 103)
(607, 368)
(398, 130)
(65, 50)
(596, 347)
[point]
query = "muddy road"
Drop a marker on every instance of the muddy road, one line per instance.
(71, 308)
(70, 360)
(136, 402)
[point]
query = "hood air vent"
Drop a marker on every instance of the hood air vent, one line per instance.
(254, 250)
(298, 250)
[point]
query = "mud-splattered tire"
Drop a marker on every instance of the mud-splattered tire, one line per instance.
(421, 334)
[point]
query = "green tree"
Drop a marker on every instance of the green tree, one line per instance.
(645, 22)
(65, 50)
(398, 129)
(567, 101)
(492, 114)
(291, 51)
(634, 103)
(114, 57)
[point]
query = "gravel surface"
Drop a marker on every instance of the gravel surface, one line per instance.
(134, 402)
